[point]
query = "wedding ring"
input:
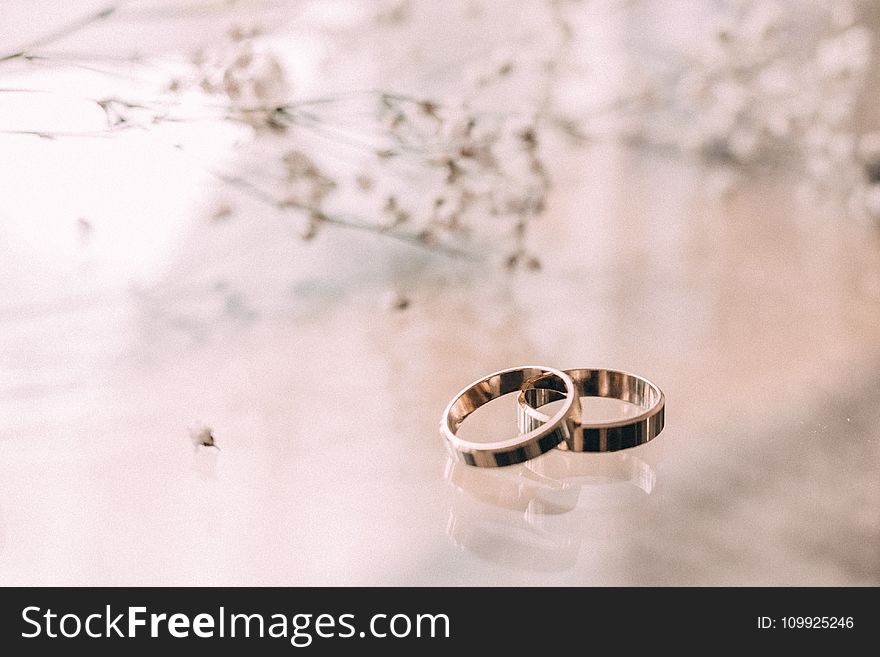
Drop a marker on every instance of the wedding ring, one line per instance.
(596, 436)
(544, 436)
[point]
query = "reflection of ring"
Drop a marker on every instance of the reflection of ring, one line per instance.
(597, 436)
(509, 539)
(515, 488)
(602, 469)
(513, 515)
(544, 436)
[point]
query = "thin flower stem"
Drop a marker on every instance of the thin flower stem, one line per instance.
(339, 135)
(24, 90)
(324, 100)
(179, 8)
(46, 60)
(48, 134)
(260, 194)
(64, 31)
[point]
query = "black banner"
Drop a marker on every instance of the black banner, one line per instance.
(347, 620)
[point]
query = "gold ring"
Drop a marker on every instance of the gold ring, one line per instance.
(597, 436)
(544, 436)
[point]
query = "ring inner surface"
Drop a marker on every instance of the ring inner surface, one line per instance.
(593, 383)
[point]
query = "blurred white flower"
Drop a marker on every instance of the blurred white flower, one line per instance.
(762, 19)
(845, 54)
(872, 201)
(744, 143)
(202, 435)
(843, 13)
(772, 84)
(245, 72)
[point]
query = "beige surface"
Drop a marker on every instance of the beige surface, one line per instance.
(759, 316)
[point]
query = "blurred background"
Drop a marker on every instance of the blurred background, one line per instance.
(297, 229)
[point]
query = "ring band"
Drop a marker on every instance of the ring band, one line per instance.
(544, 436)
(597, 436)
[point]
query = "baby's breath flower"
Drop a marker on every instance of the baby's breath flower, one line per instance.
(202, 435)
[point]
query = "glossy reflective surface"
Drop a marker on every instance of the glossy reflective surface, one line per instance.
(767, 473)
(758, 314)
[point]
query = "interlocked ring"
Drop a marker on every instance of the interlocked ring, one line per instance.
(597, 436)
(544, 436)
